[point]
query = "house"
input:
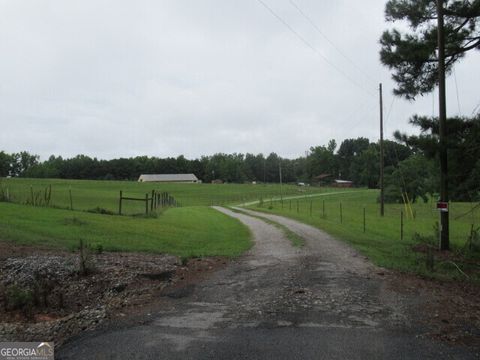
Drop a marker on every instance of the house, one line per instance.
(323, 179)
(178, 178)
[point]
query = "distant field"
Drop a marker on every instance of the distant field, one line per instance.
(193, 229)
(87, 194)
(188, 231)
(381, 240)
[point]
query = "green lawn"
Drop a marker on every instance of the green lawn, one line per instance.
(87, 194)
(381, 241)
(184, 231)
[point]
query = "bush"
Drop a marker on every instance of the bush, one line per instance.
(17, 298)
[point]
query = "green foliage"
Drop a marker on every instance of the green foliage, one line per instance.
(473, 241)
(365, 168)
(463, 152)
(230, 168)
(4, 193)
(348, 151)
(85, 259)
(322, 160)
(18, 298)
(412, 54)
(97, 248)
(5, 163)
(413, 178)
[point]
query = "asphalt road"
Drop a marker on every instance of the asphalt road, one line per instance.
(321, 301)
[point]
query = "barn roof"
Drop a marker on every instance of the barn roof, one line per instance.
(338, 181)
(168, 177)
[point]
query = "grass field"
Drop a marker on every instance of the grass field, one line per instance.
(87, 194)
(381, 241)
(186, 231)
(193, 229)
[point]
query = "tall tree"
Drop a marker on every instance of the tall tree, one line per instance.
(5, 164)
(463, 154)
(349, 149)
(412, 54)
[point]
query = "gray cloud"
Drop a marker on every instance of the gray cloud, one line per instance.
(124, 78)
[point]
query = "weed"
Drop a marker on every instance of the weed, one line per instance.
(428, 245)
(17, 298)
(184, 260)
(99, 210)
(85, 258)
(40, 197)
(42, 288)
(97, 248)
(473, 240)
(4, 194)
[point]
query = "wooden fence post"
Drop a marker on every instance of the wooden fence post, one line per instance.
(146, 204)
(401, 225)
(323, 209)
(151, 201)
(364, 221)
(298, 209)
(119, 203)
(341, 213)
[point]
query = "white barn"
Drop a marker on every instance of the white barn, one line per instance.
(179, 178)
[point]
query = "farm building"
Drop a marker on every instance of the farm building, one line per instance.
(179, 178)
(323, 179)
(342, 183)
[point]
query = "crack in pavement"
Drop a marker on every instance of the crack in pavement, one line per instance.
(277, 301)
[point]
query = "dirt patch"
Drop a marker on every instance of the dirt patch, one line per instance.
(447, 310)
(44, 297)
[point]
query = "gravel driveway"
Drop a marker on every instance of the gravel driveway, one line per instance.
(320, 301)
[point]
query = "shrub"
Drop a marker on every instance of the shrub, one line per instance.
(17, 298)
(86, 264)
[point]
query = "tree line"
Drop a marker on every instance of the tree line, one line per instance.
(411, 164)
(355, 159)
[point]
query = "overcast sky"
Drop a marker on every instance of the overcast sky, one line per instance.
(195, 77)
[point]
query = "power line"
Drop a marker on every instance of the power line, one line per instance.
(313, 48)
(476, 108)
(345, 56)
(390, 109)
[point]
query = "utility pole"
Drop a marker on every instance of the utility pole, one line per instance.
(264, 172)
(307, 177)
(280, 175)
(382, 155)
(442, 114)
